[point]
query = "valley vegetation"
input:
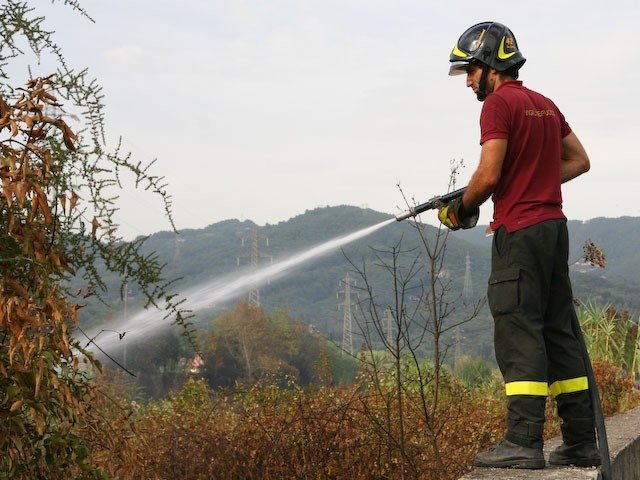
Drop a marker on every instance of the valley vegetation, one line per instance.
(299, 408)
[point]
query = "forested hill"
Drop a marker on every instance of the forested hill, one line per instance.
(309, 292)
(617, 236)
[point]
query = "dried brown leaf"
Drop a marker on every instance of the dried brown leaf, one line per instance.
(29, 121)
(34, 211)
(48, 96)
(8, 192)
(18, 288)
(68, 136)
(38, 380)
(73, 201)
(38, 420)
(62, 199)
(4, 108)
(44, 208)
(20, 190)
(94, 226)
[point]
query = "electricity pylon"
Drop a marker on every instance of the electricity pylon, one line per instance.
(467, 292)
(389, 320)
(468, 300)
(347, 338)
(255, 255)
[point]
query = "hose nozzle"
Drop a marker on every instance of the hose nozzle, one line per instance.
(406, 214)
(435, 202)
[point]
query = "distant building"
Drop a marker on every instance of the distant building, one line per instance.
(192, 365)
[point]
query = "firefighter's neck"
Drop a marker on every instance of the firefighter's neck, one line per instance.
(496, 79)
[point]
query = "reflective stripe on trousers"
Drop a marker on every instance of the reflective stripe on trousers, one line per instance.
(570, 385)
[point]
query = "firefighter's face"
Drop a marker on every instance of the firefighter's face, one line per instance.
(474, 73)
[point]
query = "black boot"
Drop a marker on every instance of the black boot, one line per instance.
(579, 444)
(510, 455)
(584, 454)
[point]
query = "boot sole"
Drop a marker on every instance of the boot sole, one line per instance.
(525, 464)
(578, 462)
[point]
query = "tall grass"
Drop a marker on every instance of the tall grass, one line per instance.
(611, 336)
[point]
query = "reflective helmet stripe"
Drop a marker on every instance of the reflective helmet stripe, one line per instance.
(502, 55)
(459, 53)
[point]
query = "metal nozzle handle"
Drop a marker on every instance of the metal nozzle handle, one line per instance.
(407, 214)
(435, 202)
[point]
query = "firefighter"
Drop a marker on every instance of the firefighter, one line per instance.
(528, 151)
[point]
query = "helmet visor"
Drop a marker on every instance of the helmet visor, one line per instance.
(459, 68)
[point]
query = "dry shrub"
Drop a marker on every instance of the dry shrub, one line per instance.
(478, 422)
(110, 430)
(272, 433)
(617, 388)
(350, 432)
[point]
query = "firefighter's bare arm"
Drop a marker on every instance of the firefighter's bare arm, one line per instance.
(574, 158)
(484, 180)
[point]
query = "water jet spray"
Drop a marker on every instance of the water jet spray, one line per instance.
(216, 291)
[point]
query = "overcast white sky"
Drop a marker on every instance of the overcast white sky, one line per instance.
(261, 110)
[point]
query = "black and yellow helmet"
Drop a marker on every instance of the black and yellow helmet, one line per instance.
(490, 43)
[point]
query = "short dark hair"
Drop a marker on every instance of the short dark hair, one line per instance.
(512, 72)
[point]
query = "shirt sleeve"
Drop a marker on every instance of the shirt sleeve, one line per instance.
(494, 119)
(565, 129)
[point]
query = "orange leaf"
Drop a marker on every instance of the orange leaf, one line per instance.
(39, 376)
(63, 203)
(55, 259)
(38, 420)
(21, 192)
(94, 227)
(29, 121)
(72, 202)
(4, 108)
(34, 210)
(44, 208)
(17, 288)
(48, 96)
(7, 191)
(67, 134)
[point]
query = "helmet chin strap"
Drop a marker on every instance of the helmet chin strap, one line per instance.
(482, 86)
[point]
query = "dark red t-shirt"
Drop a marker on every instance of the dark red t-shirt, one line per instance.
(529, 188)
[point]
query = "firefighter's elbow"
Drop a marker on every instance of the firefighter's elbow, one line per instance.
(491, 182)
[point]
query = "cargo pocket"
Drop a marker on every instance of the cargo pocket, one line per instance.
(503, 293)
